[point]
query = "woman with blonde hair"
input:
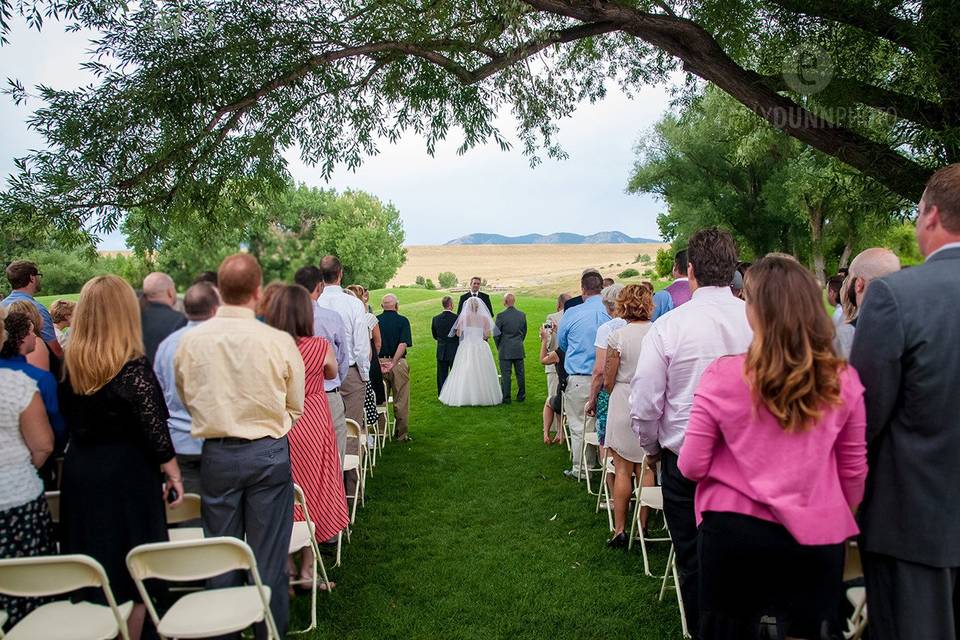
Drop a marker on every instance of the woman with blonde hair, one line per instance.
(776, 443)
(120, 464)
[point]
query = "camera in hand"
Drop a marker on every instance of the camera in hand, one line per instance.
(172, 496)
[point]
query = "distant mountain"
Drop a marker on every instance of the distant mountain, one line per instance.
(604, 237)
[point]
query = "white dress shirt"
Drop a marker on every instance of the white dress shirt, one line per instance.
(675, 352)
(354, 316)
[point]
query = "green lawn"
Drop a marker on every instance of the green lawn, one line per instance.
(471, 531)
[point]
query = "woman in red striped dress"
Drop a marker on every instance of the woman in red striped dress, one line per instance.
(314, 458)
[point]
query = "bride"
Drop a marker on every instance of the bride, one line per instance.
(473, 380)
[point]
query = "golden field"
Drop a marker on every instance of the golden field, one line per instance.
(529, 268)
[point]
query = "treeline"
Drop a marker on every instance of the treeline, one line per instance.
(296, 227)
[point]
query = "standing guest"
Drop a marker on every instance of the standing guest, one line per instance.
(26, 442)
(266, 297)
(677, 292)
(905, 350)
(25, 280)
(328, 324)
(206, 276)
(575, 337)
(20, 341)
(608, 282)
(834, 283)
(578, 300)
(61, 311)
(869, 265)
(512, 324)
(159, 318)
(634, 306)
(440, 327)
(120, 464)
(771, 534)
(200, 303)
(475, 292)
(395, 331)
(375, 379)
(314, 457)
(597, 404)
(353, 385)
(243, 383)
(42, 356)
(553, 321)
(674, 354)
(553, 407)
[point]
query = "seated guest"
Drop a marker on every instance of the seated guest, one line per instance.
(314, 457)
(869, 265)
(41, 357)
(26, 442)
(200, 304)
(158, 316)
(120, 464)
(60, 312)
(635, 307)
(242, 382)
(776, 442)
(678, 292)
(397, 339)
(25, 280)
(20, 342)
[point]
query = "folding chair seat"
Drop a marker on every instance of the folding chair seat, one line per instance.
(187, 510)
(39, 576)
(652, 498)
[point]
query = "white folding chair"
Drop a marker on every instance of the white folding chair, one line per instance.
(604, 493)
(187, 510)
(590, 439)
(53, 505)
(210, 612)
(565, 427)
(354, 462)
(390, 423)
(857, 622)
(303, 536)
(38, 576)
(651, 497)
(671, 572)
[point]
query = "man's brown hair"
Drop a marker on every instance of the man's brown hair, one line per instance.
(591, 282)
(943, 190)
(239, 276)
(713, 255)
(19, 273)
(332, 269)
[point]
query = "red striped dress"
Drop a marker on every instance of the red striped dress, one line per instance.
(313, 449)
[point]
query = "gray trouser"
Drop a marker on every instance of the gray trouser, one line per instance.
(505, 370)
(908, 600)
(190, 472)
(247, 492)
(339, 416)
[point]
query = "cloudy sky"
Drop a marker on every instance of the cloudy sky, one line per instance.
(441, 197)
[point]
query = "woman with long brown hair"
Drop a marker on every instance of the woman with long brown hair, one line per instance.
(120, 463)
(776, 444)
(314, 458)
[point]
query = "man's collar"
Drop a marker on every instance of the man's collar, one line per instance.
(332, 288)
(234, 311)
(683, 279)
(712, 292)
(946, 247)
(16, 358)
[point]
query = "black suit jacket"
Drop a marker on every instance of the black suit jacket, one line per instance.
(907, 352)
(440, 327)
(158, 321)
(512, 324)
(484, 297)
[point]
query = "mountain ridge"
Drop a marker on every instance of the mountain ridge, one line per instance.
(603, 237)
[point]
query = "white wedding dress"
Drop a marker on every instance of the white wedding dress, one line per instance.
(473, 380)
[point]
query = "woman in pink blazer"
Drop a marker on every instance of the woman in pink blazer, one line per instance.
(776, 444)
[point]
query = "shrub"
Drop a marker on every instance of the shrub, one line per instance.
(429, 284)
(644, 258)
(447, 280)
(628, 273)
(664, 262)
(420, 281)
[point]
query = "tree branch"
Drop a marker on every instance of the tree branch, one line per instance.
(867, 18)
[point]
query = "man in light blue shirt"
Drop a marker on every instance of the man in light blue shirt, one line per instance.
(200, 304)
(576, 337)
(24, 279)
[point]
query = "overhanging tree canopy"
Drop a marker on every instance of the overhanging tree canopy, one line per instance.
(195, 101)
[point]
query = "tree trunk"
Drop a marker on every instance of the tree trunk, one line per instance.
(817, 260)
(845, 256)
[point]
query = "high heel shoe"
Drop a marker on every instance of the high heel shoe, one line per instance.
(618, 541)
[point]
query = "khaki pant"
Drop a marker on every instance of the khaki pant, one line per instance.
(398, 383)
(574, 400)
(339, 417)
(353, 390)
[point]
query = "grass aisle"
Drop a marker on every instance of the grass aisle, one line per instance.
(471, 531)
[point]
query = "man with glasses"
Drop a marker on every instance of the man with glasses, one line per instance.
(24, 279)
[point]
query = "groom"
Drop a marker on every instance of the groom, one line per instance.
(475, 293)
(512, 325)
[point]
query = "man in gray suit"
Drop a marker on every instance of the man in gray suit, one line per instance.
(512, 325)
(906, 352)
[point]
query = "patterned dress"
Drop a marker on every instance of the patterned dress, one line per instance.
(313, 449)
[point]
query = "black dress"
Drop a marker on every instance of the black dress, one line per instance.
(111, 499)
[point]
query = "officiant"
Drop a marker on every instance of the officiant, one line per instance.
(446, 344)
(475, 292)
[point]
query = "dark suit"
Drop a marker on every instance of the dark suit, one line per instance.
(158, 322)
(907, 352)
(446, 346)
(572, 302)
(513, 329)
(480, 294)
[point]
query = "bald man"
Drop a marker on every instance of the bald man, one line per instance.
(512, 326)
(869, 265)
(395, 340)
(157, 316)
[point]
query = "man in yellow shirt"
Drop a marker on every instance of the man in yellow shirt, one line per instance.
(243, 383)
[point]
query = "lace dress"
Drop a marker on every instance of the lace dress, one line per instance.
(111, 496)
